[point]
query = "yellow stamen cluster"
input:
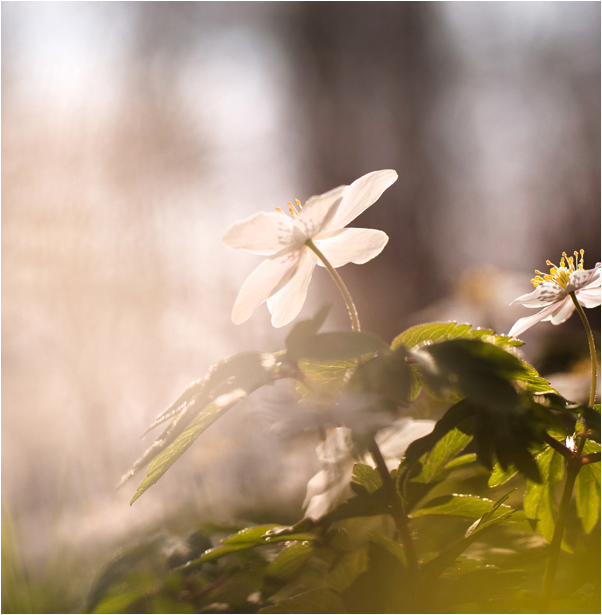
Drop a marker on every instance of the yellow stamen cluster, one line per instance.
(292, 210)
(559, 274)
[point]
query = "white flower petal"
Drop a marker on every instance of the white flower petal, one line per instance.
(317, 214)
(394, 440)
(263, 282)
(351, 245)
(589, 297)
(544, 294)
(287, 302)
(582, 278)
(262, 233)
(521, 325)
(360, 195)
(563, 311)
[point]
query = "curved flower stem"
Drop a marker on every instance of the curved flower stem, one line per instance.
(592, 347)
(355, 321)
(573, 465)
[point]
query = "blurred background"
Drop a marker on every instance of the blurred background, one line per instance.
(134, 134)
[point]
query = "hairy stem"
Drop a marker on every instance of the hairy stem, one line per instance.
(592, 348)
(355, 321)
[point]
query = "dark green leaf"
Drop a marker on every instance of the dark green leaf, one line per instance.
(588, 491)
(387, 376)
(304, 330)
(480, 370)
(288, 562)
(539, 502)
(394, 548)
(312, 601)
(451, 552)
(346, 569)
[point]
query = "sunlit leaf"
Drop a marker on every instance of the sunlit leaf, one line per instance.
(439, 331)
(499, 476)
(460, 506)
(434, 463)
(326, 375)
(246, 371)
(254, 535)
(367, 477)
(164, 460)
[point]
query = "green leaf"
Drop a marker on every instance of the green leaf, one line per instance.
(480, 370)
(367, 477)
(460, 506)
(337, 346)
(455, 416)
(121, 565)
(305, 329)
(250, 535)
(312, 601)
(245, 539)
(247, 371)
(539, 501)
(328, 375)
(346, 569)
(162, 462)
(439, 331)
(387, 376)
(389, 545)
(435, 462)
(499, 476)
(288, 562)
(451, 552)
(588, 491)
(459, 462)
(216, 553)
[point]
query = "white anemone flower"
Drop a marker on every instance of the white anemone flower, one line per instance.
(552, 292)
(282, 279)
(331, 485)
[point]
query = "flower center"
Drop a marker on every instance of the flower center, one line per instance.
(293, 210)
(560, 274)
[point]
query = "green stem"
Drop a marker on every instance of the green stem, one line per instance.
(573, 465)
(592, 347)
(355, 321)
